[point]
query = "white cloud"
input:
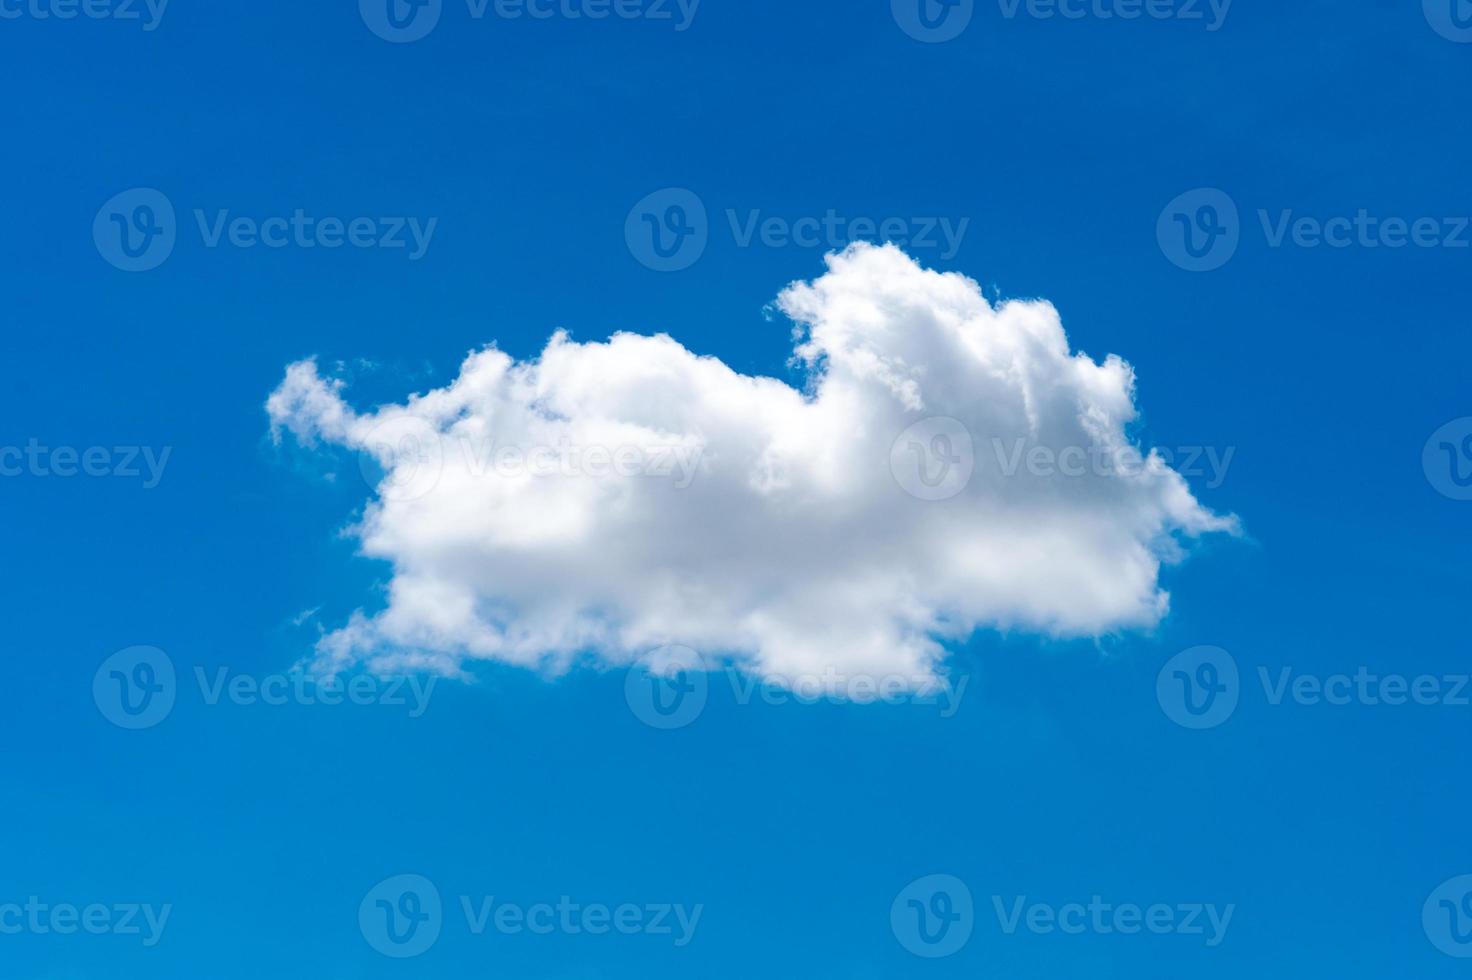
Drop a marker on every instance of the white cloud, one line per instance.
(788, 543)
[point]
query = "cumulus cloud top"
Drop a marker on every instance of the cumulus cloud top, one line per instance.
(609, 498)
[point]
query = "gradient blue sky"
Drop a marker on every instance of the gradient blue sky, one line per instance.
(795, 826)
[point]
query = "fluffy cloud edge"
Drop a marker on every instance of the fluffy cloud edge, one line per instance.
(886, 346)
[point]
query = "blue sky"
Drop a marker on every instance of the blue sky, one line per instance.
(1061, 153)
